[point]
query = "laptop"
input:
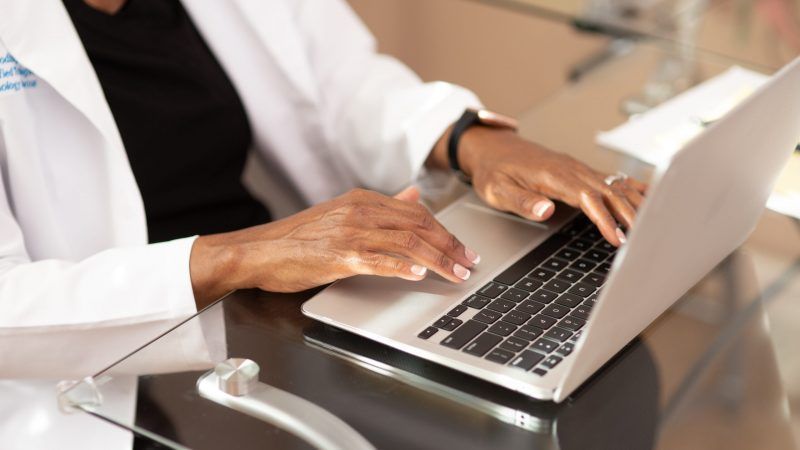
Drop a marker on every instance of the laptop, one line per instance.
(551, 303)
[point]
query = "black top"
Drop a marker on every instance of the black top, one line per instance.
(183, 125)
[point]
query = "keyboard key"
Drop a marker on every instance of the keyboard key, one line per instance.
(476, 301)
(583, 265)
(594, 279)
(455, 312)
(580, 244)
(556, 285)
(501, 305)
(528, 332)
(427, 332)
(539, 371)
(530, 307)
(516, 317)
(487, 316)
(483, 344)
(597, 256)
(544, 345)
(500, 356)
(502, 328)
(566, 349)
(556, 311)
(442, 322)
(568, 254)
(571, 323)
(492, 290)
(535, 257)
(604, 268)
(592, 234)
(515, 295)
(605, 246)
(576, 336)
(558, 334)
(452, 325)
(542, 274)
(552, 361)
(591, 300)
(543, 296)
(463, 334)
(542, 321)
(575, 227)
(555, 264)
(582, 289)
(514, 344)
(582, 312)
(528, 284)
(526, 360)
(570, 275)
(568, 299)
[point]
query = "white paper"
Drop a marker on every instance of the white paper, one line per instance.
(656, 135)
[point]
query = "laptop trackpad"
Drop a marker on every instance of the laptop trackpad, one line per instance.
(390, 305)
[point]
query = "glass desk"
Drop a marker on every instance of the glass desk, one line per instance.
(718, 370)
(763, 33)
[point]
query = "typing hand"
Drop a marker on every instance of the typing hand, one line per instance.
(515, 175)
(360, 232)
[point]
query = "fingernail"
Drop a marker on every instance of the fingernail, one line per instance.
(418, 270)
(471, 255)
(541, 208)
(461, 271)
(621, 236)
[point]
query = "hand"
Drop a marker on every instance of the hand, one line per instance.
(512, 174)
(360, 232)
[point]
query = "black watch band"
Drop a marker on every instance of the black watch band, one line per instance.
(468, 119)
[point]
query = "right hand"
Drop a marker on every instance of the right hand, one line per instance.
(358, 233)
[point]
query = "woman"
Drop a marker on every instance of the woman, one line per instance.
(124, 127)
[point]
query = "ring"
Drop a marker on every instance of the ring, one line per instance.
(611, 179)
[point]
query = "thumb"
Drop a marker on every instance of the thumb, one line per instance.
(409, 194)
(523, 202)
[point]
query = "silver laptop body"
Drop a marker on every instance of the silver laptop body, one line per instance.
(698, 210)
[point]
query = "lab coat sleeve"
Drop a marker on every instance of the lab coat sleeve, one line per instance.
(63, 319)
(382, 119)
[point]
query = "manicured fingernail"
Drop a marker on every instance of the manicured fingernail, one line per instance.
(471, 255)
(541, 208)
(418, 270)
(621, 236)
(461, 271)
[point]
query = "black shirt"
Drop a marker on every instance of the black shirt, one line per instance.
(183, 125)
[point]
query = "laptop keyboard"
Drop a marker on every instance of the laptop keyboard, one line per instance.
(530, 316)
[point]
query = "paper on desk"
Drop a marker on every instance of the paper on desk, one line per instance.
(657, 134)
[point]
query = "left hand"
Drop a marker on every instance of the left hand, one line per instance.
(515, 175)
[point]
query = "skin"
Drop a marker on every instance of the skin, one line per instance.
(366, 233)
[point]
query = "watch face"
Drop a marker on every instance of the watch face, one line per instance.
(494, 119)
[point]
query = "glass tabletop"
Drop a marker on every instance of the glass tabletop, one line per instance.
(718, 370)
(763, 33)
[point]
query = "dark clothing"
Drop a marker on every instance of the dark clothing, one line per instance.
(183, 124)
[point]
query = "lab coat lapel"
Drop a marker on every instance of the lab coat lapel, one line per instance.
(40, 36)
(272, 22)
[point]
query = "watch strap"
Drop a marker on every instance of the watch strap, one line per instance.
(468, 119)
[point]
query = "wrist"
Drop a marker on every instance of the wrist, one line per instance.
(215, 269)
(476, 142)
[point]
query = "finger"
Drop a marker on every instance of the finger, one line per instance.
(638, 185)
(617, 202)
(416, 218)
(523, 202)
(370, 263)
(592, 204)
(413, 247)
(409, 194)
(634, 197)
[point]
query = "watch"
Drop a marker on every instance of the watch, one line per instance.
(468, 119)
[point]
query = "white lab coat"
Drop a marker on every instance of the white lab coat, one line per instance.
(79, 286)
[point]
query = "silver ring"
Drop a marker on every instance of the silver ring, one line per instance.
(611, 179)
